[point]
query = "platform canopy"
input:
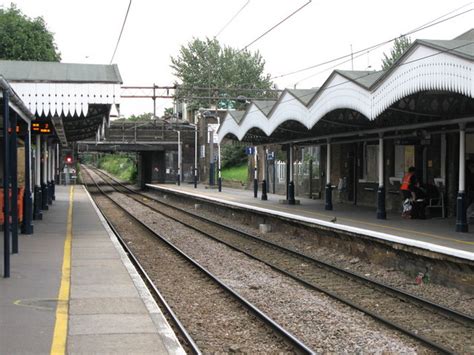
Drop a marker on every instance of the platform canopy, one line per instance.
(432, 82)
(15, 103)
(76, 98)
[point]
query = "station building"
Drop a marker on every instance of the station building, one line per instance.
(353, 139)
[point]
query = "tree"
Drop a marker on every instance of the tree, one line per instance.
(400, 45)
(233, 154)
(147, 116)
(23, 38)
(212, 74)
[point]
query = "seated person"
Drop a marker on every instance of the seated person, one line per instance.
(411, 191)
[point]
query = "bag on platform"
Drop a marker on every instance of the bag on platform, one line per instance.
(407, 208)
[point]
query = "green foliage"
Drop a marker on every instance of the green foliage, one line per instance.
(23, 38)
(236, 173)
(147, 116)
(205, 69)
(233, 154)
(168, 112)
(400, 45)
(122, 166)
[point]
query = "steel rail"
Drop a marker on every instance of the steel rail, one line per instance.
(379, 286)
(294, 341)
(463, 317)
(189, 340)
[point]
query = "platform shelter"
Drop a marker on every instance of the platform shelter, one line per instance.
(361, 130)
(52, 105)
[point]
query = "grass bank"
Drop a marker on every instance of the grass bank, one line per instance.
(121, 166)
(236, 173)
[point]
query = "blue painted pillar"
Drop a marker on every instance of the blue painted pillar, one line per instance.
(6, 178)
(264, 175)
(27, 225)
(328, 192)
(44, 176)
(38, 195)
(255, 172)
(14, 182)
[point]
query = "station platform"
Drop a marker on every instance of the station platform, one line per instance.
(436, 235)
(73, 290)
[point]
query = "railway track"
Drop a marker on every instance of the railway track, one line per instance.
(254, 325)
(436, 326)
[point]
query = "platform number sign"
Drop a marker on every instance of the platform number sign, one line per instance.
(249, 150)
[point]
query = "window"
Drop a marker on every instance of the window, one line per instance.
(281, 171)
(372, 163)
(312, 153)
(404, 158)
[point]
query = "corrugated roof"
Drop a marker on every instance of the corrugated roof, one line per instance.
(466, 36)
(304, 95)
(463, 48)
(265, 105)
(237, 115)
(362, 77)
(31, 71)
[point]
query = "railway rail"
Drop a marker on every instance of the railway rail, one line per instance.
(268, 327)
(439, 327)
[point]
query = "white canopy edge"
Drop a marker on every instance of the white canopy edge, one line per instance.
(423, 69)
(65, 99)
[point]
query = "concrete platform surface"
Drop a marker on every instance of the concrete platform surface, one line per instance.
(109, 308)
(434, 234)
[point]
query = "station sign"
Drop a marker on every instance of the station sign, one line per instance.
(250, 150)
(41, 127)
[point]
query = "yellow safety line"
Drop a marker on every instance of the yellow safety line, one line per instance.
(60, 328)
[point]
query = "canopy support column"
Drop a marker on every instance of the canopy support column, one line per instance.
(328, 204)
(50, 174)
(27, 225)
(14, 182)
(37, 214)
(381, 212)
(44, 178)
(255, 172)
(461, 201)
(291, 184)
(264, 175)
(6, 185)
(53, 172)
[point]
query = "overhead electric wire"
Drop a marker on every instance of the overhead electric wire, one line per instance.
(275, 26)
(370, 47)
(121, 31)
(232, 19)
(440, 51)
(419, 28)
(361, 52)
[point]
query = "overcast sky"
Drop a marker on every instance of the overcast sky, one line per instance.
(86, 31)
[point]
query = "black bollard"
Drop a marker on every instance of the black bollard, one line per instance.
(328, 205)
(291, 193)
(381, 213)
(461, 216)
(264, 190)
